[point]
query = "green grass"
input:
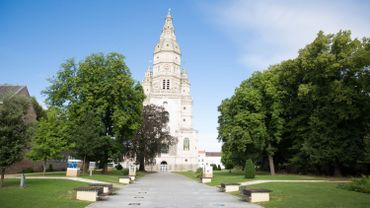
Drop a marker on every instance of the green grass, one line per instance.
(296, 195)
(238, 176)
(312, 195)
(55, 173)
(40, 194)
(111, 177)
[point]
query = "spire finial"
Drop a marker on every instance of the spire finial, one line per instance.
(169, 12)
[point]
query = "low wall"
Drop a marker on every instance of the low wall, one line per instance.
(36, 166)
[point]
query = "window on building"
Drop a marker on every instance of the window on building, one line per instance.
(164, 84)
(168, 84)
(186, 144)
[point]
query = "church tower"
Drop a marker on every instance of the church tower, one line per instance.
(166, 84)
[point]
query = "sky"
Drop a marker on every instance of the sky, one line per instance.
(222, 42)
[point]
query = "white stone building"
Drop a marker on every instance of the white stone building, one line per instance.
(166, 84)
(208, 158)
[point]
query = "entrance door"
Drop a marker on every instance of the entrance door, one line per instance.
(163, 166)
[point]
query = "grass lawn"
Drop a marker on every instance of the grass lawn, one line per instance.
(312, 195)
(40, 193)
(296, 195)
(238, 176)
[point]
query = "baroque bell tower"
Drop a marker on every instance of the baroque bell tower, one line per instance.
(166, 84)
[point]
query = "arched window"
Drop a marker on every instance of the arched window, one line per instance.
(186, 144)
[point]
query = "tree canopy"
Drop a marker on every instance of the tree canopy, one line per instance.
(51, 137)
(310, 112)
(101, 84)
(152, 136)
(14, 131)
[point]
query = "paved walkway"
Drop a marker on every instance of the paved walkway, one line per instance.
(169, 190)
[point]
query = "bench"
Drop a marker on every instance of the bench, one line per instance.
(229, 187)
(206, 179)
(255, 195)
(124, 179)
(90, 193)
(107, 188)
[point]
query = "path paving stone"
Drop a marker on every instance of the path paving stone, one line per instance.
(169, 190)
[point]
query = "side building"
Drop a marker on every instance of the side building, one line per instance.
(166, 84)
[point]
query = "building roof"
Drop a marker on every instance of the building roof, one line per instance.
(11, 90)
(213, 154)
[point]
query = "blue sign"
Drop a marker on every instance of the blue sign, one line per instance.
(72, 164)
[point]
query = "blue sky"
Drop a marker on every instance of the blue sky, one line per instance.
(222, 42)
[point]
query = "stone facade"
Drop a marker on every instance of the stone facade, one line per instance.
(166, 84)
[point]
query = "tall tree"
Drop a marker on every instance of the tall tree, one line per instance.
(14, 131)
(251, 121)
(328, 101)
(51, 137)
(101, 83)
(152, 135)
(89, 139)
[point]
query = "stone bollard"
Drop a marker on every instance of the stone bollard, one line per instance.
(23, 181)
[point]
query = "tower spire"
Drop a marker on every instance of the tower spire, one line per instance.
(168, 30)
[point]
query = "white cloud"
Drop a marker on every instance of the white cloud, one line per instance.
(271, 31)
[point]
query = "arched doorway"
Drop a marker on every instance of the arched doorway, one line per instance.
(163, 166)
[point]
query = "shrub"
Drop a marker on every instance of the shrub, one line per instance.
(358, 184)
(218, 167)
(50, 168)
(119, 167)
(199, 173)
(125, 171)
(250, 169)
(27, 170)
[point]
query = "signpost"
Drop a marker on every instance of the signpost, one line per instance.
(92, 167)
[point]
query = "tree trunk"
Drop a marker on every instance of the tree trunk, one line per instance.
(2, 177)
(142, 164)
(271, 164)
(83, 165)
(44, 164)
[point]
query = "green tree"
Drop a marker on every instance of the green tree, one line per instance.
(152, 135)
(251, 121)
(40, 112)
(89, 139)
(226, 160)
(327, 102)
(50, 139)
(249, 169)
(101, 83)
(14, 131)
